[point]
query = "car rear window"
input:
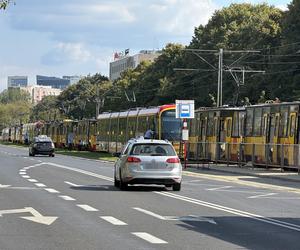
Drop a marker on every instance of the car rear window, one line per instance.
(153, 150)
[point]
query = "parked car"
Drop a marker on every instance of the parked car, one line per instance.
(41, 145)
(148, 162)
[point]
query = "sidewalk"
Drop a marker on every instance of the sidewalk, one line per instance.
(271, 173)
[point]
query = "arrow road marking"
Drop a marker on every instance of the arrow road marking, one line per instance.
(4, 186)
(261, 195)
(37, 217)
(177, 218)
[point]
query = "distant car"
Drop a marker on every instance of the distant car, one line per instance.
(148, 162)
(41, 145)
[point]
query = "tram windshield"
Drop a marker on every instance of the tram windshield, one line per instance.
(171, 126)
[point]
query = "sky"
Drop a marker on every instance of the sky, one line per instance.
(76, 37)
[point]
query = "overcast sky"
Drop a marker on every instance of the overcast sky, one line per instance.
(78, 37)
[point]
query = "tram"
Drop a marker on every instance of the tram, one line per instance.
(115, 129)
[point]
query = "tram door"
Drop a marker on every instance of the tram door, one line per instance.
(221, 138)
(272, 137)
(202, 139)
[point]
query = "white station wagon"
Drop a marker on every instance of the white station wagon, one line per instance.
(147, 161)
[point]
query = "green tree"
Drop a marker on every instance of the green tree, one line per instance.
(4, 4)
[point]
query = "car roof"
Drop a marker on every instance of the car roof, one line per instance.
(141, 140)
(42, 138)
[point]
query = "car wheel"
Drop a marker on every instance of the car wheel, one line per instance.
(177, 187)
(116, 182)
(53, 155)
(122, 185)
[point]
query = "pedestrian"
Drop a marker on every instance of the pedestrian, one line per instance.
(149, 134)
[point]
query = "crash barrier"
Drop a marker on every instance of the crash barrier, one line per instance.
(244, 154)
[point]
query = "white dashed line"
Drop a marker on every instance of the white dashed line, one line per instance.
(71, 184)
(261, 195)
(32, 180)
(113, 220)
(51, 190)
(67, 198)
(150, 238)
(218, 188)
(40, 184)
(87, 208)
(26, 176)
(149, 213)
(22, 173)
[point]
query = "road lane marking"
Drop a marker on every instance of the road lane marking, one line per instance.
(22, 173)
(51, 190)
(32, 180)
(40, 184)
(87, 208)
(150, 238)
(238, 180)
(261, 195)
(113, 220)
(26, 176)
(36, 216)
(149, 213)
(72, 184)
(67, 198)
(218, 188)
(79, 171)
(232, 211)
(176, 218)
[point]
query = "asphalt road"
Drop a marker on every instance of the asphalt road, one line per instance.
(71, 203)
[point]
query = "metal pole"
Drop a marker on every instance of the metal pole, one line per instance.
(220, 78)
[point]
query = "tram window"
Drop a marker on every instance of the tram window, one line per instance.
(264, 126)
(210, 126)
(249, 122)
(228, 128)
(257, 122)
(283, 123)
(292, 126)
(235, 129)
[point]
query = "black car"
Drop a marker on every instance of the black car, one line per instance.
(41, 145)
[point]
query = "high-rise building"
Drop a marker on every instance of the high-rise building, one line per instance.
(73, 79)
(54, 82)
(123, 62)
(17, 81)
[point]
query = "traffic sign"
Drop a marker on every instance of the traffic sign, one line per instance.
(185, 109)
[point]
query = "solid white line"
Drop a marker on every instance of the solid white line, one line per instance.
(79, 171)
(113, 220)
(32, 180)
(232, 211)
(150, 213)
(71, 184)
(150, 238)
(67, 198)
(87, 207)
(40, 184)
(51, 190)
(218, 188)
(261, 195)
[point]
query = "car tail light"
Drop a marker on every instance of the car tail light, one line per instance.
(173, 160)
(133, 159)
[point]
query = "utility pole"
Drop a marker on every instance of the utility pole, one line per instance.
(223, 68)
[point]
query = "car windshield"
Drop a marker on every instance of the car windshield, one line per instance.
(153, 150)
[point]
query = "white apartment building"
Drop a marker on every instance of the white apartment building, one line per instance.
(123, 62)
(37, 93)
